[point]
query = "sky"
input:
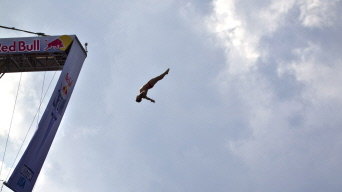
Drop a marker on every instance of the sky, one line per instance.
(252, 101)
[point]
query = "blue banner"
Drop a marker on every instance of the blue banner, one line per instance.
(26, 172)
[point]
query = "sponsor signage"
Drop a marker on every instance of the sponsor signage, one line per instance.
(35, 44)
(26, 172)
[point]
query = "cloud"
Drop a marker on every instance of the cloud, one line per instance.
(318, 13)
(321, 77)
(252, 101)
(287, 88)
(240, 43)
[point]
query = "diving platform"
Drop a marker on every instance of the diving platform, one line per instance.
(31, 54)
(12, 63)
(48, 53)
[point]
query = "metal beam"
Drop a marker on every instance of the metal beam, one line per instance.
(15, 62)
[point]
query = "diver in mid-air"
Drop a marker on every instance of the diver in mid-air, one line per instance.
(149, 85)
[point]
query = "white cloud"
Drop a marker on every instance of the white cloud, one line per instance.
(288, 135)
(241, 44)
(252, 138)
(317, 13)
(273, 16)
(5, 172)
(322, 79)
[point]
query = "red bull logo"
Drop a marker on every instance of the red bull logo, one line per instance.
(55, 44)
(68, 83)
(61, 43)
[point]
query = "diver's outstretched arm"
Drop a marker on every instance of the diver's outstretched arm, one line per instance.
(153, 101)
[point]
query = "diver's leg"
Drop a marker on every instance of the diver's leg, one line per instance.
(153, 81)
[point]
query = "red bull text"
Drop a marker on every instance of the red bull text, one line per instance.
(20, 46)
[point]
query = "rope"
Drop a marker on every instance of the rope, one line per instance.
(21, 30)
(41, 97)
(9, 130)
(2, 185)
(21, 146)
